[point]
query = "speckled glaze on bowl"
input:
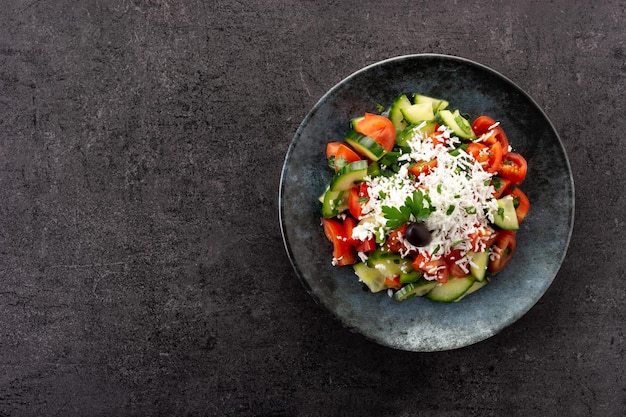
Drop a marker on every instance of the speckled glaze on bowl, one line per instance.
(420, 324)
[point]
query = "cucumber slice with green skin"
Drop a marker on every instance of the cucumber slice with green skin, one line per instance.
(437, 104)
(395, 113)
(416, 113)
(373, 170)
(354, 121)
(424, 128)
(477, 285)
(365, 146)
(459, 125)
(409, 277)
(390, 264)
(451, 290)
(334, 203)
(478, 262)
(371, 277)
(348, 176)
(505, 217)
(415, 289)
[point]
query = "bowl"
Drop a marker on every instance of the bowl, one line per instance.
(420, 324)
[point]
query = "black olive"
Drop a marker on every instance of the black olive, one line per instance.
(417, 234)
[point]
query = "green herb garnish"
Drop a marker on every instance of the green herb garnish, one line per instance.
(412, 209)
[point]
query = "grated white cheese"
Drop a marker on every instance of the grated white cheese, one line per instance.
(458, 187)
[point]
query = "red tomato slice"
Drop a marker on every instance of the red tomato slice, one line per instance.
(360, 245)
(348, 224)
(495, 157)
(455, 268)
(502, 251)
(341, 151)
(513, 168)
(482, 239)
(500, 186)
(482, 124)
(393, 283)
(393, 243)
(436, 268)
(478, 151)
(378, 128)
(331, 149)
(486, 124)
(489, 157)
(422, 167)
(368, 245)
(343, 252)
(356, 198)
(521, 202)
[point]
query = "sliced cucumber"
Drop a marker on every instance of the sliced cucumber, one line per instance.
(477, 285)
(415, 289)
(371, 277)
(424, 128)
(459, 125)
(334, 203)
(437, 104)
(451, 290)
(354, 121)
(395, 114)
(478, 264)
(349, 175)
(416, 113)
(365, 146)
(373, 170)
(505, 216)
(413, 276)
(390, 264)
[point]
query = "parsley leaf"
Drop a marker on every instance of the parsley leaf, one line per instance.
(412, 209)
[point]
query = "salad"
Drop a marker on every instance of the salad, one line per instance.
(423, 201)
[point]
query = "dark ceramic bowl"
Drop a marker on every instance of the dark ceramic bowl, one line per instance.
(419, 324)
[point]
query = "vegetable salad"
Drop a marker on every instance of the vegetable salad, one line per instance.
(424, 201)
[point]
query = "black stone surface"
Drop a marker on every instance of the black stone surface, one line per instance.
(142, 270)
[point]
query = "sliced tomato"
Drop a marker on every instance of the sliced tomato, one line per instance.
(348, 225)
(513, 168)
(478, 151)
(394, 242)
(454, 266)
(437, 138)
(368, 245)
(357, 196)
(379, 128)
(342, 153)
(393, 282)
(482, 238)
(490, 157)
(354, 203)
(343, 252)
(502, 251)
(500, 137)
(436, 268)
(482, 124)
(521, 203)
(422, 167)
(485, 125)
(331, 149)
(500, 186)
(495, 157)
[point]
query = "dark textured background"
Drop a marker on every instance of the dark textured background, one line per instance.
(142, 270)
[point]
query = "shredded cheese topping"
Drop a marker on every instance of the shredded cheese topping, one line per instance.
(459, 189)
